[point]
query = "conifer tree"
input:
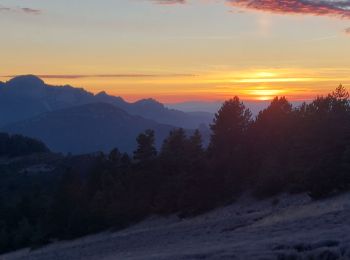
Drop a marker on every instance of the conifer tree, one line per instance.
(146, 150)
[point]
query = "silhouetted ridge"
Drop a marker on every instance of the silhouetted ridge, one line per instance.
(149, 103)
(102, 94)
(96, 109)
(104, 97)
(26, 81)
(25, 97)
(88, 128)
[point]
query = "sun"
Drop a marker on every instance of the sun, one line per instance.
(264, 93)
(265, 74)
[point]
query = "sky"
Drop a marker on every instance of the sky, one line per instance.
(180, 50)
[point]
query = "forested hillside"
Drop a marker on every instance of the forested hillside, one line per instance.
(284, 149)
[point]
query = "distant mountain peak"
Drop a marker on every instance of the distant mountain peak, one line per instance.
(148, 102)
(105, 97)
(27, 96)
(102, 93)
(26, 81)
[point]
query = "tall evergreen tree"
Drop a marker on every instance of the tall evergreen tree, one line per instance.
(230, 127)
(195, 148)
(271, 135)
(174, 146)
(146, 150)
(228, 148)
(115, 156)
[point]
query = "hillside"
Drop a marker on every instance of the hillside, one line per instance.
(88, 128)
(303, 151)
(152, 109)
(17, 145)
(284, 227)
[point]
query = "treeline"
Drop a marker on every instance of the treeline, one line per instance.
(18, 145)
(283, 149)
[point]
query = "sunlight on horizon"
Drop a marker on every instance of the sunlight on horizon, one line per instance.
(264, 93)
(248, 84)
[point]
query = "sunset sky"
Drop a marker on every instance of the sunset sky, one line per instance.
(180, 50)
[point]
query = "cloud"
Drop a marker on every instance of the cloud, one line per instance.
(5, 9)
(131, 75)
(25, 10)
(169, 2)
(338, 8)
(30, 10)
(331, 8)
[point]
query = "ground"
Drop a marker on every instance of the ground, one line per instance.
(284, 227)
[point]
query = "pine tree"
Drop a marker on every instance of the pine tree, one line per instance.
(174, 146)
(115, 156)
(195, 150)
(229, 127)
(228, 148)
(146, 150)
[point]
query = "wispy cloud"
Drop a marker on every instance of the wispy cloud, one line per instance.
(5, 9)
(24, 10)
(338, 8)
(169, 2)
(30, 10)
(131, 75)
(347, 31)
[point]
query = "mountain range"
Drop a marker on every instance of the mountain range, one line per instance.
(88, 128)
(26, 96)
(74, 120)
(212, 107)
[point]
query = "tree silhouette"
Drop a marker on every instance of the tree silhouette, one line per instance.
(174, 146)
(271, 135)
(195, 150)
(18, 145)
(228, 148)
(340, 94)
(229, 127)
(115, 156)
(146, 150)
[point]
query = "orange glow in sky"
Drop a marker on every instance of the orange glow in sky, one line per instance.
(296, 84)
(197, 50)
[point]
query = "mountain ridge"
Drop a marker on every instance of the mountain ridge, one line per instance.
(88, 128)
(28, 96)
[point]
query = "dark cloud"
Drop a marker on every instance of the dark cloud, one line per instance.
(30, 10)
(338, 8)
(169, 2)
(5, 9)
(333, 8)
(25, 10)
